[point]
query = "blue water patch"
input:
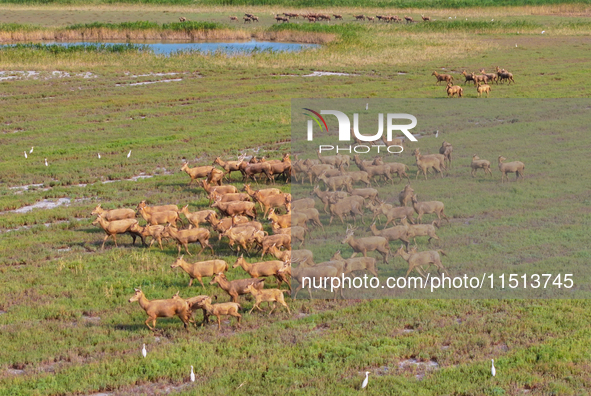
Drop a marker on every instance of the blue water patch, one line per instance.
(230, 48)
(168, 48)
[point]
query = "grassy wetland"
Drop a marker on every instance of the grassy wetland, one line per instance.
(65, 322)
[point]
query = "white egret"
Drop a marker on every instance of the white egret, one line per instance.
(543, 31)
(31, 151)
(25, 154)
(437, 133)
(366, 106)
(365, 381)
(492, 20)
(46, 162)
(129, 154)
(493, 370)
(144, 352)
(99, 155)
(192, 375)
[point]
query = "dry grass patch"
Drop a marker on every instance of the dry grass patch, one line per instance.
(105, 34)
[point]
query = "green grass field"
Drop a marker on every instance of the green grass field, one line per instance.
(65, 322)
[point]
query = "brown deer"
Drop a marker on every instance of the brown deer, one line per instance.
(367, 244)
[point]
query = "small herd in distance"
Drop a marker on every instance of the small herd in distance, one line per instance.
(319, 17)
(313, 17)
(480, 81)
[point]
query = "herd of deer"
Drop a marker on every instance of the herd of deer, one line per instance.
(314, 16)
(481, 81)
(234, 215)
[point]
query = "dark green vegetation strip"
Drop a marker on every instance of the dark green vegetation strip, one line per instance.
(91, 47)
(18, 27)
(142, 25)
(320, 28)
(138, 25)
(477, 26)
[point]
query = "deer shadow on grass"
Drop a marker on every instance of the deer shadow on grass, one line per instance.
(140, 326)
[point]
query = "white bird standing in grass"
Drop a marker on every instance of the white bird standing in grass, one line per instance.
(192, 375)
(25, 154)
(46, 162)
(99, 155)
(493, 370)
(437, 133)
(366, 106)
(144, 352)
(543, 31)
(31, 151)
(129, 154)
(365, 381)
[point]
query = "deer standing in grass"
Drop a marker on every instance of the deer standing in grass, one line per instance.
(405, 195)
(200, 269)
(230, 166)
(504, 75)
(236, 208)
(155, 231)
(237, 287)
(415, 230)
(392, 233)
(367, 244)
(442, 77)
(260, 269)
(197, 172)
(267, 295)
(113, 214)
(424, 163)
(509, 167)
(416, 260)
(115, 227)
(184, 237)
(446, 150)
(429, 207)
(220, 309)
(478, 163)
(344, 207)
(162, 309)
(452, 90)
(357, 263)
